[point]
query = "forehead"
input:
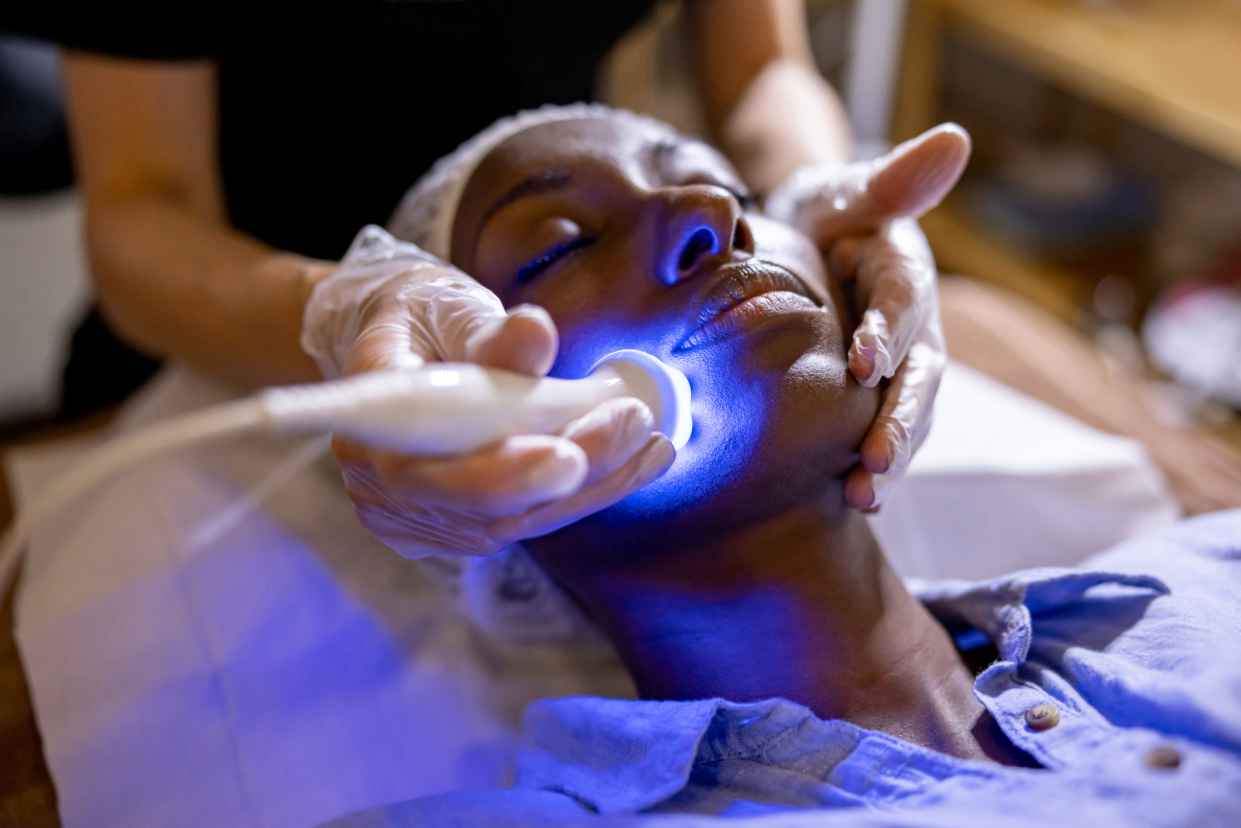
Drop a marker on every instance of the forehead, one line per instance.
(638, 150)
(583, 151)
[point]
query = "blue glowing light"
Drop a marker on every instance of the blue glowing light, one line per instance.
(671, 387)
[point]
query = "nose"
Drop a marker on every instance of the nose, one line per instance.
(704, 227)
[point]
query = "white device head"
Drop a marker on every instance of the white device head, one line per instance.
(662, 387)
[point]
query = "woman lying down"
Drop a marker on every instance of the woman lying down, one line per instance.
(787, 673)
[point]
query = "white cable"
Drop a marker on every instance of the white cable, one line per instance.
(251, 499)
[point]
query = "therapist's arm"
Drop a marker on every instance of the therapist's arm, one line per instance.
(172, 276)
(176, 279)
(767, 104)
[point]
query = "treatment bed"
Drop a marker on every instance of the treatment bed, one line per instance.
(213, 640)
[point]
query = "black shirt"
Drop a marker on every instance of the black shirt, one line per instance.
(330, 110)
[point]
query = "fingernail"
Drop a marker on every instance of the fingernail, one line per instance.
(858, 495)
(630, 427)
(526, 311)
(559, 473)
(657, 458)
(630, 434)
(882, 485)
(864, 369)
(882, 361)
(639, 422)
(879, 461)
(534, 354)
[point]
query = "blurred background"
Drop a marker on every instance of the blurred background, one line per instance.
(1105, 187)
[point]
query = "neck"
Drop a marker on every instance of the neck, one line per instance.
(803, 607)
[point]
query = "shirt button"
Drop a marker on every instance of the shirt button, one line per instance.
(1164, 757)
(1042, 717)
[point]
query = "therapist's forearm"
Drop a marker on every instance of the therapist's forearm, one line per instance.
(174, 285)
(767, 104)
(788, 117)
(172, 276)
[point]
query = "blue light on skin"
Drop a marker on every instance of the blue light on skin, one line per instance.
(665, 388)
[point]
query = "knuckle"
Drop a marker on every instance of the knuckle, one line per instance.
(499, 474)
(348, 452)
(626, 413)
(398, 470)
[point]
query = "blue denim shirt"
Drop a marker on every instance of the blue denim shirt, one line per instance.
(1139, 650)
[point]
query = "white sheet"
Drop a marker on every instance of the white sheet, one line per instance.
(1005, 482)
(198, 663)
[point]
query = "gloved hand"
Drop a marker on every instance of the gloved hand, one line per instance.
(391, 305)
(863, 217)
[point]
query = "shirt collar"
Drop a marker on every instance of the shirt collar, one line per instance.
(619, 756)
(1002, 607)
(612, 756)
(615, 756)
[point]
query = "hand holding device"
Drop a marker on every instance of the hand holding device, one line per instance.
(394, 306)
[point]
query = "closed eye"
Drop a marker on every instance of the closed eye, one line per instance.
(747, 200)
(544, 260)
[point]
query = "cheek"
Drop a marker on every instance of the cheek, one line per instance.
(597, 312)
(504, 252)
(590, 328)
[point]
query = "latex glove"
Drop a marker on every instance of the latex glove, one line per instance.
(863, 217)
(392, 305)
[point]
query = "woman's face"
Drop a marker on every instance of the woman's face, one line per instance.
(633, 239)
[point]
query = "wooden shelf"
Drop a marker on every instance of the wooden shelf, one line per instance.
(961, 249)
(1174, 65)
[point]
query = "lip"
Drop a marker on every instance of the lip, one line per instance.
(745, 294)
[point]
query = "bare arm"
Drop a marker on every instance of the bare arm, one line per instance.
(770, 109)
(172, 276)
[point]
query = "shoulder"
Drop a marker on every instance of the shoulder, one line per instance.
(1198, 562)
(1199, 559)
(1163, 660)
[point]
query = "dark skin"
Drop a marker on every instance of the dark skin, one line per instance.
(741, 573)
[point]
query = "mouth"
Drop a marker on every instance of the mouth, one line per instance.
(747, 294)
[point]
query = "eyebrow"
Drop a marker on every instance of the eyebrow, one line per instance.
(658, 153)
(664, 147)
(540, 182)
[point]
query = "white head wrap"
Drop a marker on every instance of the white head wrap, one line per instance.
(426, 213)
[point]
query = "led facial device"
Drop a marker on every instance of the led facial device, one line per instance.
(439, 409)
(449, 408)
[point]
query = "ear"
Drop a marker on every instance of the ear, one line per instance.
(913, 178)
